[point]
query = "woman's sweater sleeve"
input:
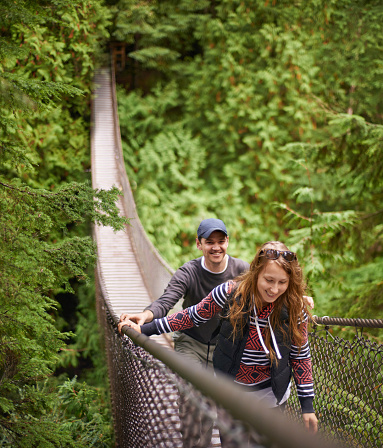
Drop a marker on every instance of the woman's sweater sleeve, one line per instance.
(193, 316)
(302, 371)
(150, 328)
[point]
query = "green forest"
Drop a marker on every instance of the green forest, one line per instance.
(266, 114)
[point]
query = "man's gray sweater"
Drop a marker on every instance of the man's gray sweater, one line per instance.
(193, 283)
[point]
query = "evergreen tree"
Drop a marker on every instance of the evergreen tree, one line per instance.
(340, 187)
(47, 52)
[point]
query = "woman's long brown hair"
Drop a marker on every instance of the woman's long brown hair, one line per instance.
(246, 296)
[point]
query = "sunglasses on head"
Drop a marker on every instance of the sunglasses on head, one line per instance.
(273, 254)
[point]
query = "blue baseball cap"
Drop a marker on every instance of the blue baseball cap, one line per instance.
(208, 226)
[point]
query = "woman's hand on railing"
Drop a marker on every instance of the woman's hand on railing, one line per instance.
(130, 324)
(311, 422)
(138, 318)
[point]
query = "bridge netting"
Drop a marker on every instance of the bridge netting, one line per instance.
(159, 399)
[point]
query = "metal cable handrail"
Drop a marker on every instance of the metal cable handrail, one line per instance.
(347, 322)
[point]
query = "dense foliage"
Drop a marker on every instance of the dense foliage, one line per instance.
(268, 115)
(48, 51)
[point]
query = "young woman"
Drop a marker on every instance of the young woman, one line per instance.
(263, 337)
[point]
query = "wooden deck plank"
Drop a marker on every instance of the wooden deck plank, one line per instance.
(118, 264)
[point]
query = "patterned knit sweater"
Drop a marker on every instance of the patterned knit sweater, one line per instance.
(255, 366)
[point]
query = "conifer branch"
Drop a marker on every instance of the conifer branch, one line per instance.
(305, 218)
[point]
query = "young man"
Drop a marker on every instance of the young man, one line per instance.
(193, 282)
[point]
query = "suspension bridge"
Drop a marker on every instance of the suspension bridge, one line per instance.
(148, 380)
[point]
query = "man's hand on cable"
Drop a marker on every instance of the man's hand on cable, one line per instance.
(138, 318)
(130, 324)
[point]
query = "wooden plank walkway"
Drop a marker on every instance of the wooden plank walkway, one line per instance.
(117, 263)
(118, 266)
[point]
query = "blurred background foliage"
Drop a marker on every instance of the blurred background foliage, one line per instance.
(267, 115)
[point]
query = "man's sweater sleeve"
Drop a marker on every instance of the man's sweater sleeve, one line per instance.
(174, 292)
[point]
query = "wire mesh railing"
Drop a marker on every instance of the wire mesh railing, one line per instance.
(160, 400)
(348, 376)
